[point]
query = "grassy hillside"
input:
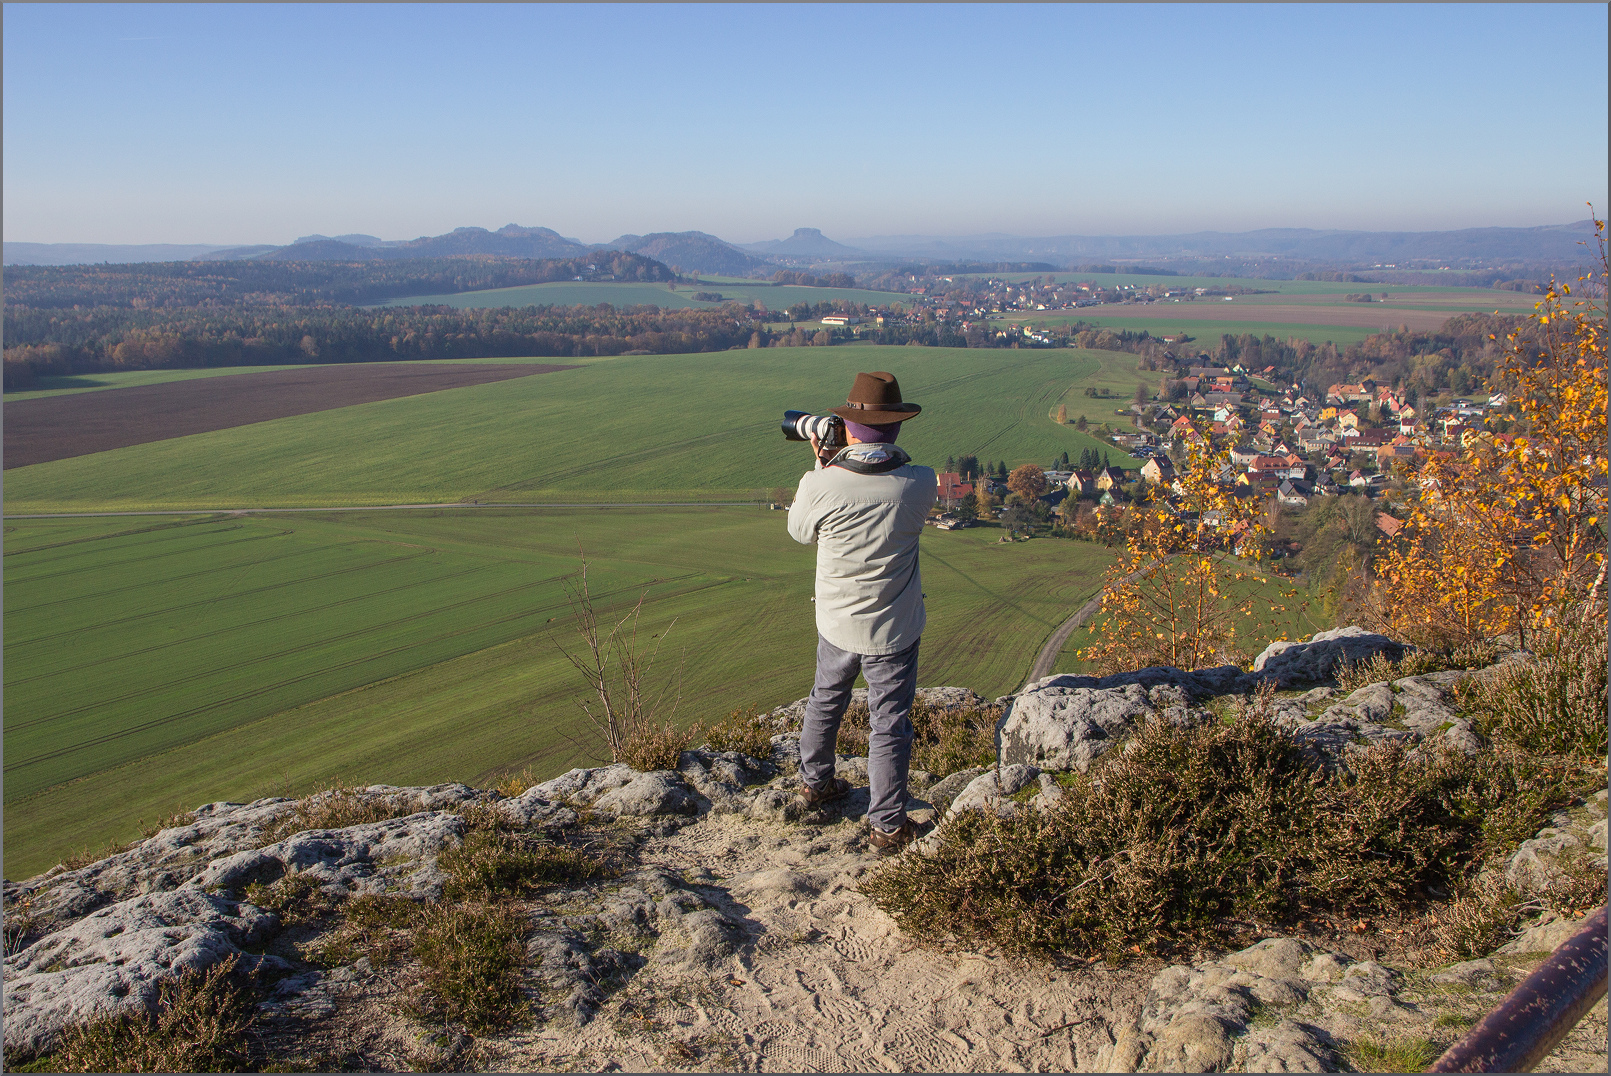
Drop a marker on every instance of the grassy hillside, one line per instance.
(161, 663)
(634, 428)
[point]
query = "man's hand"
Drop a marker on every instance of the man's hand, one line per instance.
(816, 452)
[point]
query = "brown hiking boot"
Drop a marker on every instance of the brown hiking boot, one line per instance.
(892, 842)
(817, 797)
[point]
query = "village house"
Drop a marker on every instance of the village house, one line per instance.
(1081, 484)
(1388, 455)
(1293, 467)
(1265, 466)
(953, 488)
(1347, 420)
(1362, 439)
(1294, 493)
(1109, 478)
(1346, 394)
(1158, 471)
(1315, 438)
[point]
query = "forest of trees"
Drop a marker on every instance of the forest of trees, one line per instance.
(169, 285)
(110, 338)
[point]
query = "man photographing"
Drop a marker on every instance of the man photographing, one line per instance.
(864, 507)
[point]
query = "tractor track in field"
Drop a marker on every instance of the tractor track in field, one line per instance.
(234, 596)
(167, 719)
(257, 621)
(169, 580)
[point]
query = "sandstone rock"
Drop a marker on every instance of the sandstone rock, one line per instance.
(432, 798)
(1472, 974)
(1286, 1047)
(397, 855)
(575, 974)
(1274, 958)
(852, 768)
(114, 960)
(1061, 727)
(620, 789)
(1291, 663)
(1201, 1017)
(1532, 866)
(722, 776)
(943, 791)
(990, 790)
(775, 805)
(660, 792)
(534, 812)
(161, 863)
(1050, 793)
(1543, 936)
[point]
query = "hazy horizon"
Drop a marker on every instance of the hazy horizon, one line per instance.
(218, 124)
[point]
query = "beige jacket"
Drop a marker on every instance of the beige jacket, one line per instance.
(866, 527)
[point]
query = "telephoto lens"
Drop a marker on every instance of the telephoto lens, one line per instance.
(829, 430)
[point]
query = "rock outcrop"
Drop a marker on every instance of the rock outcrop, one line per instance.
(115, 959)
(734, 911)
(1289, 663)
(1067, 722)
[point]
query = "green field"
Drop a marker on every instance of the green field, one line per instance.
(153, 664)
(634, 428)
(574, 292)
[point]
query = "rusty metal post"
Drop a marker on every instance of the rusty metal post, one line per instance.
(1536, 1015)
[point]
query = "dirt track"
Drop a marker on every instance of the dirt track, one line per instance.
(58, 427)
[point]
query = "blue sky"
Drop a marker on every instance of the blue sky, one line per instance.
(195, 123)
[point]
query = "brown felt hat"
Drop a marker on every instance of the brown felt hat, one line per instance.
(875, 399)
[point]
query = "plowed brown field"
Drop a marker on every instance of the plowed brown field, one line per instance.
(57, 427)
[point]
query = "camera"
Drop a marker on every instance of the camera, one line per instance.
(829, 430)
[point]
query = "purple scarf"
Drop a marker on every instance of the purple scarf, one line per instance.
(873, 435)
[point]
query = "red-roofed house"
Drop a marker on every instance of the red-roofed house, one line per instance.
(953, 488)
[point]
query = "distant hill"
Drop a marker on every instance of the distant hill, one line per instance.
(357, 239)
(510, 241)
(693, 251)
(806, 243)
(115, 253)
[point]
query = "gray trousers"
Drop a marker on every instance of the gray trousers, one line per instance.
(891, 687)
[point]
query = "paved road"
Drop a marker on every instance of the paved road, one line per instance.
(385, 508)
(1054, 646)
